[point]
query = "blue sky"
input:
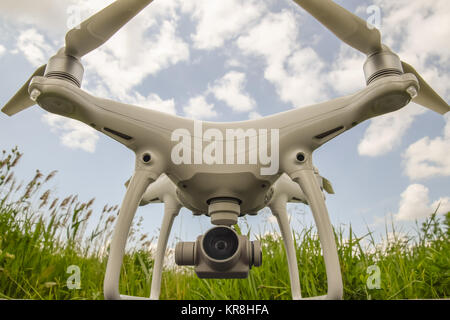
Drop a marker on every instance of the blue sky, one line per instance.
(236, 60)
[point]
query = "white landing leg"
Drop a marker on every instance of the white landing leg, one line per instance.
(136, 188)
(162, 190)
(279, 210)
(310, 186)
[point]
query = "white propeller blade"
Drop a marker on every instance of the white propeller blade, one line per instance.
(427, 97)
(21, 99)
(96, 30)
(345, 25)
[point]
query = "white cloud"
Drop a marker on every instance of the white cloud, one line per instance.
(154, 102)
(273, 38)
(296, 72)
(118, 67)
(234, 63)
(230, 89)
(386, 132)
(346, 75)
(146, 45)
(50, 15)
(416, 29)
(143, 47)
(73, 134)
(302, 85)
(254, 115)
(429, 157)
(2, 50)
(219, 21)
(197, 108)
(131, 56)
(414, 204)
(34, 47)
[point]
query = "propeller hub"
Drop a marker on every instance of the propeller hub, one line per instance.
(382, 64)
(65, 67)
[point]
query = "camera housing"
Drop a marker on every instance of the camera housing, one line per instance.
(220, 254)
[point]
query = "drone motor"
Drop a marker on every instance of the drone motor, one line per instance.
(65, 67)
(382, 64)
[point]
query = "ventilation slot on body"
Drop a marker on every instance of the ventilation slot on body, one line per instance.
(117, 133)
(329, 132)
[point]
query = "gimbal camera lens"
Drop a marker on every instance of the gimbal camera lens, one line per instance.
(220, 243)
(220, 254)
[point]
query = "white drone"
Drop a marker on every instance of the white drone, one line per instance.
(224, 190)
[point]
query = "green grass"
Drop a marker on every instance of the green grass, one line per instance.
(42, 235)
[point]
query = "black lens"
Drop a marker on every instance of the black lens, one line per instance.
(220, 243)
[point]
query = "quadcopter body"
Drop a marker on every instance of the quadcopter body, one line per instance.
(242, 175)
(224, 170)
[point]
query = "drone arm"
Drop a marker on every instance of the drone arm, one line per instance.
(171, 210)
(133, 126)
(278, 208)
(308, 183)
(383, 96)
(313, 126)
(138, 184)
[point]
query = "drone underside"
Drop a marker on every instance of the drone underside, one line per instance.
(224, 170)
